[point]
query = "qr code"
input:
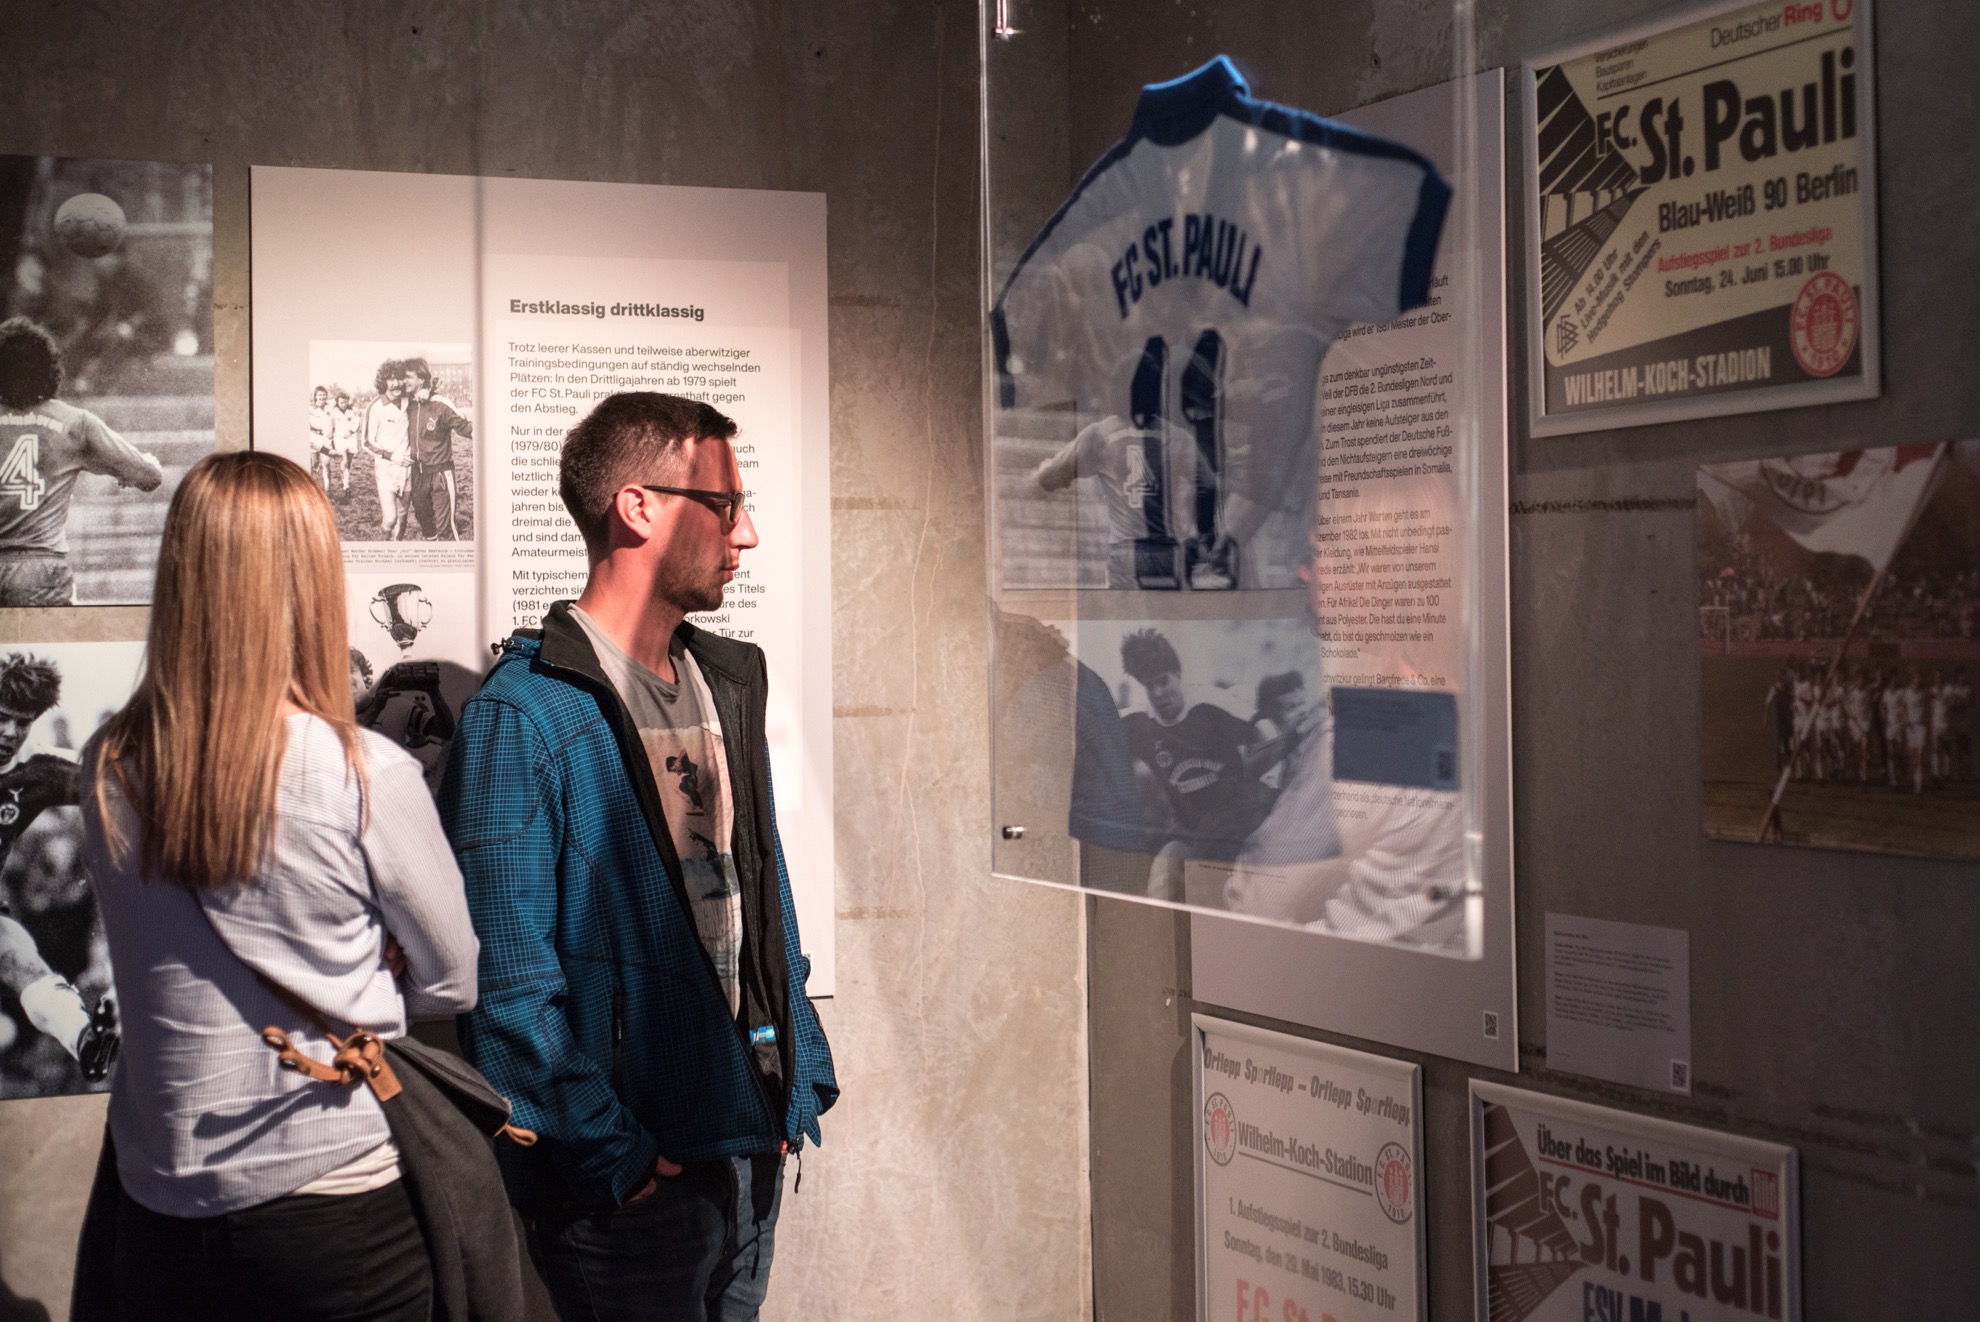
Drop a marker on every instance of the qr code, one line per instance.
(1492, 1025)
(1680, 1076)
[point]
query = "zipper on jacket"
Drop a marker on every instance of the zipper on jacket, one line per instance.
(618, 1039)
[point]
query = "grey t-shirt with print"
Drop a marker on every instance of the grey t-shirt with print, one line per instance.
(682, 736)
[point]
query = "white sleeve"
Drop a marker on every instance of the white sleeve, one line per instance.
(1371, 237)
(419, 884)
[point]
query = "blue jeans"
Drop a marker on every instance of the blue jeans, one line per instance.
(697, 1249)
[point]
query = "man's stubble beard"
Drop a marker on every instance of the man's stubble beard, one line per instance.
(687, 591)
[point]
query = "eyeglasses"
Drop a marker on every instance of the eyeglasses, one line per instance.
(728, 504)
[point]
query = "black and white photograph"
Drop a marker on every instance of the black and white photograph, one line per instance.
(413, 651)
(1839, 638)
(106, 369)
(58, 1018)
(390, 432)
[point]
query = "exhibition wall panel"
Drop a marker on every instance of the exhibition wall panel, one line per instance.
(1826, 986)
(953, 1114)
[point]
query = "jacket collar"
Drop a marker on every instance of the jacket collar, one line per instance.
(566, 647)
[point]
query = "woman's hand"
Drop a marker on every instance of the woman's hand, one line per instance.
(395, 956)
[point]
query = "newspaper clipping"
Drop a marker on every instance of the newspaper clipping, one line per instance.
(1839, 628)
(1583, 1212)
(1701, 217)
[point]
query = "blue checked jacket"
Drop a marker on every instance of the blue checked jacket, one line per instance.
(600, 1014)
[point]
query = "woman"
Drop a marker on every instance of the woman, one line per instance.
(247, 836)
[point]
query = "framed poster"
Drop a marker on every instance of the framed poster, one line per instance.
(1701, 217)
(423, 343)
(1363, 950)
(1581, 1212)
(1309, 1167)
(1838, 599)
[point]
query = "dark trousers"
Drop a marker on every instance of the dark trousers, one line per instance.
(433, 499)
(304, 1257)
(697, 1249)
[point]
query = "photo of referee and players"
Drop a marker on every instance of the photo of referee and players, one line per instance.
(391, 438)
(1839, 639)
(106, 369)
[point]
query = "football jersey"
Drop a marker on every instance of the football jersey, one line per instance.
(387, 428)
(320, 427)
(1203, 267)
(345, 425)
(30, 786)
(43, 450)
(1199, 762)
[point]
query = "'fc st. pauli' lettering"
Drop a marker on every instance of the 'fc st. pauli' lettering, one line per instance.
(1819, 112)
(1211, 248)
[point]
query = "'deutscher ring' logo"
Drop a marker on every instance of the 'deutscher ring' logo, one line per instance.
(1395, 1183)
(1220, 1129)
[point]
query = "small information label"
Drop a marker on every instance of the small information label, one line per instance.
(1619, 1002)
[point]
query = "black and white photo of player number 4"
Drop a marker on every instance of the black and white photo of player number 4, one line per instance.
(106, 369)
(58, 1018)
(391, 438)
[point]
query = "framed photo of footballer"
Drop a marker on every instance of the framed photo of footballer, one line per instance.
(1838, 640)
(106, 369)
(58, 1021)
(1701, 216)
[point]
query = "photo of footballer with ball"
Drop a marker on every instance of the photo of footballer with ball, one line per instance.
(106, 369)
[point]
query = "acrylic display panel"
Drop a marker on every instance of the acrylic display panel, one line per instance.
(1238, 388)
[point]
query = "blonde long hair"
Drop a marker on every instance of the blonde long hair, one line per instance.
(248, 612)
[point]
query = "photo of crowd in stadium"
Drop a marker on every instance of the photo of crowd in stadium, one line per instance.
(1839, 637)
(106, 369)
(58, 1018)
(391, 437)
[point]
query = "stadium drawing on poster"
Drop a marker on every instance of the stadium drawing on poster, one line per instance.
(1839, 637)
(389, 428)
(58, 1026)
(106, 369)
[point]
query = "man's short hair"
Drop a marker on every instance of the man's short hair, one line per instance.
(1147, 655)
(418, 367)
(628, 438)
(1273, 687)
(30, 364)
(388, 371)
(29, 685)
(361, 664)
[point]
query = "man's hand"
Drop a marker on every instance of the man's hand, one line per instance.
(662, 1170)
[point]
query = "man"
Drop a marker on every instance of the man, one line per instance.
(433, 422)
(31, 782)
(387, 437)
(322, 436)
(1150, 479)
(608, 793)
(45, 445)
(346, 427)
(1779, 706)
(1195, 754)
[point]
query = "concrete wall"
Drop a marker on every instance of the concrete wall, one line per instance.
(1831, 991)
(952, 1179)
